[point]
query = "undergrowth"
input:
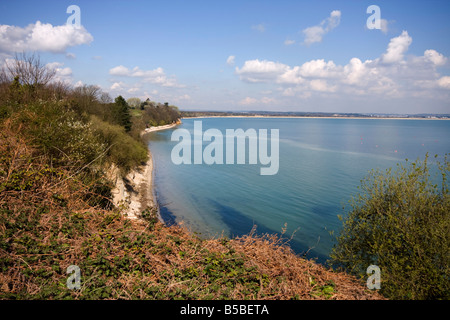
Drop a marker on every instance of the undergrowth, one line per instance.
(51, 218)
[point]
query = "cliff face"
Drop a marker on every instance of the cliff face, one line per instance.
(133, 192)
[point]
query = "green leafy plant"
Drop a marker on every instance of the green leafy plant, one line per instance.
(400, 222)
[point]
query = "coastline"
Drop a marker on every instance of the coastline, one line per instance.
(303, 117)
(134, 193)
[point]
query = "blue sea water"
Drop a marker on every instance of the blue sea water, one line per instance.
(321, 164)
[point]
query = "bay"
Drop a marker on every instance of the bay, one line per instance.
(321, 164)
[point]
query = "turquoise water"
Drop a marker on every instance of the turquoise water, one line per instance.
(321, 163)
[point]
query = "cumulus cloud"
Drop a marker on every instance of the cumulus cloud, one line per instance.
(435, 57)
(155, 76)
(397, 48)
(116, 86)
(269, 71)
(120, 71)
(321, 85)
(444, 82)
(390, 75)
(315, 33)
(42, 37)
(261, 71)
(62, 74)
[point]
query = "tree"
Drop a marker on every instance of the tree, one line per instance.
(29, 70)
(105, 98)
(28, 77)
(134, 102)
(86, 97)
(124, 117)
(401, 223)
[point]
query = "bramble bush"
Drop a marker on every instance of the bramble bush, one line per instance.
(401, 223)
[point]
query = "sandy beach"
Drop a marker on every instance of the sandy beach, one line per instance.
(159, 128)
(134, 193)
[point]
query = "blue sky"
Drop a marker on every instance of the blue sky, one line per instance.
(245, 55)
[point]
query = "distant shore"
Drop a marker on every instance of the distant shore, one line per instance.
(315, 117)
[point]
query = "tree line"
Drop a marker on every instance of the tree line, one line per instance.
(79, 123)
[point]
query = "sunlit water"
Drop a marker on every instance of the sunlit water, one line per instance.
(321, 163)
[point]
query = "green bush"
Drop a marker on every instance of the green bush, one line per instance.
(124, 151)
(59, 132)
(401, 223)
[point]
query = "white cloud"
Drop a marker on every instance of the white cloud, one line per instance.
(156, 76)
(119, 71)
(267, 100)
(318, 69)
(116, 86)
(397, 48)
(261, 71)
(321, 85)
(247, 101)
(133, 90)
(259, 27)
(315, 33)
(290, 76)
(391, 75)
(384, 26)
(289, 42)
(230, 60)
(61, 74)
(42, 37)
(444, 82)
(435, 57)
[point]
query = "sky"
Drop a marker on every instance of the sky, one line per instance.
(306, 56)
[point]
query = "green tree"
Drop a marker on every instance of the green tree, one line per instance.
(134, 102)
(124, 117)
(401, 223)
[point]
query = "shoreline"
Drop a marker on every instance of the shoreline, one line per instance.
(135, 192)
(304, 117)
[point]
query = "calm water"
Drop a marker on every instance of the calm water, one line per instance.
(321, 163)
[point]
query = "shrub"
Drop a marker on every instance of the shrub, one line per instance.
(401, 223)
(59, 132)
(124, 151)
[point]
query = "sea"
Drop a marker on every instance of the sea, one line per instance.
(321, 162)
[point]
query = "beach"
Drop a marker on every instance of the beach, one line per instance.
(134, 192)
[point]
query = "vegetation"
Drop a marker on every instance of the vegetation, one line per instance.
(401, 223)
(56, 143)
(51, 219)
